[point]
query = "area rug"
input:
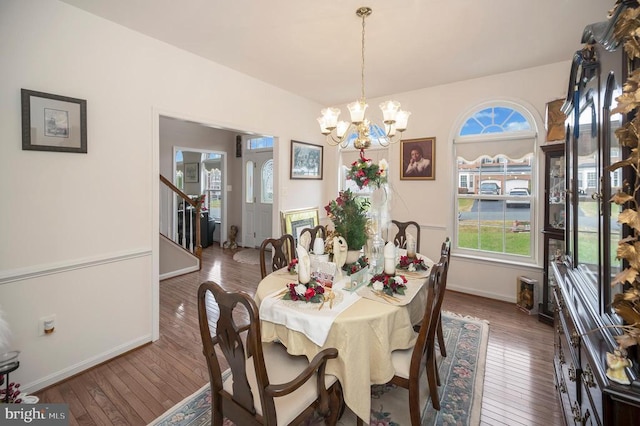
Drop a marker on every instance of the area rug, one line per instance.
(461, 373)
(249, 256)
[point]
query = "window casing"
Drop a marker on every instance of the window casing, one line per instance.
(495, 159)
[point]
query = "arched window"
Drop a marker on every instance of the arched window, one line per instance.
(495, 174)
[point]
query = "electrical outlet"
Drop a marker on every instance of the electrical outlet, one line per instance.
(47, 325)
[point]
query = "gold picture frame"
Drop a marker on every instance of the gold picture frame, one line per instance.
(555, 119)
(294, 221)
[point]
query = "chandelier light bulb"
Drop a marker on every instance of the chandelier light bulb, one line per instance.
(389, 111)
(342, 128)
(357, 110)
(402, 118)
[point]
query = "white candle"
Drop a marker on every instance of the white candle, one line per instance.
(390, 258)
(411, 246)
(389, 266)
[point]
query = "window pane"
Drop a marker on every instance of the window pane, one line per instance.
(267, 182)
(260, 143)
(249, 182)
(494, 205)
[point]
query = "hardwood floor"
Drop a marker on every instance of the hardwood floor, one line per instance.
(140, 385)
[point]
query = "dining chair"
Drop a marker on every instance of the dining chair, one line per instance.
(400, 239)
(264, 384)
(282, 253)
(410, 364)
(444, 251)
(316, 231)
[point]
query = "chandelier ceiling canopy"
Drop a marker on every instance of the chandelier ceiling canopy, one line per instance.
(338, 132)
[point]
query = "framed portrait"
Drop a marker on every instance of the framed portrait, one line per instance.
(306, 160)
(418, 159)
(555, 121)
(191, 172)
(53, 122)
(294, 221)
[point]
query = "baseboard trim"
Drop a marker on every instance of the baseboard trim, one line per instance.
(474, 292)
(70, 371)
(179, 272)
(57, 268)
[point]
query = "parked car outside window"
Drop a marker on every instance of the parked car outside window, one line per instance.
(489, 188)
(519, 192)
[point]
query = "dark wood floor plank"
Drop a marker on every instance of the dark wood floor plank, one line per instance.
(142, 384)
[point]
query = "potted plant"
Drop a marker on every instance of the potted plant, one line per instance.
(349, 216)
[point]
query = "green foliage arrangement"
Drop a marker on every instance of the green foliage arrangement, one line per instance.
(349, 216)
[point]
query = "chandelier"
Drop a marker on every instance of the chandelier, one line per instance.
(338, 132)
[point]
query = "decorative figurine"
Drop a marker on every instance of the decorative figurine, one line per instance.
(617, 363)
(339, 252)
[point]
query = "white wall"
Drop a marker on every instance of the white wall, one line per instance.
(79, 232)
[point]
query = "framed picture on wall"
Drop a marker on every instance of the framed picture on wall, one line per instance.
(53, 122)
(191, 172)
(294, 221)
(418, 159)
(555, 121)
(306, 160)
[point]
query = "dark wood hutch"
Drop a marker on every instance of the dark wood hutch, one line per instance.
(583, 293)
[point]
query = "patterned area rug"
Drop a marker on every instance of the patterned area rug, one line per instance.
(250, 256)
(461, 372)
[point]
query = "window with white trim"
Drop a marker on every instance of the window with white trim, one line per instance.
(496, 169)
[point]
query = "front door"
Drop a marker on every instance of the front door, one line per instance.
(258, 197)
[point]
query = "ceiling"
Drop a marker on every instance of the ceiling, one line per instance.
(313, 48)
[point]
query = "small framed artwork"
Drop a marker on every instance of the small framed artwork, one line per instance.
(555, 121)
(53, 122)
(238, 146)
(294, 221)
(418, 159)
(306, 160)
(526, 295)
(191, 172)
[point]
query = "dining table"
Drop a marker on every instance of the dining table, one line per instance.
(364, 325)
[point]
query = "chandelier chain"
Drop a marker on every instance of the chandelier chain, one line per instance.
(362, 65)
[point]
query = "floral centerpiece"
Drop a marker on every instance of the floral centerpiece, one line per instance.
(411, 264)
(349, 216)
(352, 268)
(364, 172)
(389, 284)
(312, 292)
(293, 266)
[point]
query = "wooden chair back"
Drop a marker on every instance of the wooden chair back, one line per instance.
(400, 239)
(315, 232)
(445, 258)
(445, 250)
(282, 253)
(422, 357)
(248, 396)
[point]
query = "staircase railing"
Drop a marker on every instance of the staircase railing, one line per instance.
(187, 233)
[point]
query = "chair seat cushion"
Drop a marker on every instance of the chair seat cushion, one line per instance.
(401, 361)
(281, 368)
